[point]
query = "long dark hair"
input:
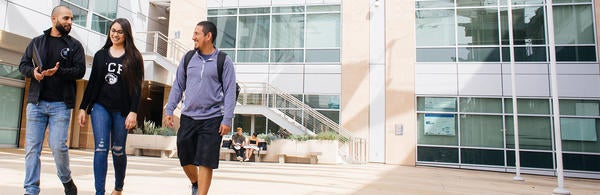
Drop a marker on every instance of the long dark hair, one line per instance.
(133, 71)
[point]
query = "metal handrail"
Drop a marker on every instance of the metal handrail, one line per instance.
(157, 42)
(270, 96)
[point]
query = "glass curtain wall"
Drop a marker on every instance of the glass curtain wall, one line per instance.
(11, 99)
(102, 13)
(298, 34)
(478, 131)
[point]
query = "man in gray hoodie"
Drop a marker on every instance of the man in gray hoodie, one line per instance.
(207, 108)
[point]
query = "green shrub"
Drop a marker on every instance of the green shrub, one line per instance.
(267, 137)
(301, 137)
(151, 129)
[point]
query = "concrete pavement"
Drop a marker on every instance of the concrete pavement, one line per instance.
(152, 175)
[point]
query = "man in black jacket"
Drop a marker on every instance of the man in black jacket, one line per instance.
(59, 61)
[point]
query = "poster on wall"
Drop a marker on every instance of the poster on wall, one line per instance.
(439, 124)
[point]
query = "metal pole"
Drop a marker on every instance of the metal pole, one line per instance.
(514, 93)
(560, 189)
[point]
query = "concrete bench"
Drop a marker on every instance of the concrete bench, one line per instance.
(138, 151)
(228, 153)
(312, 156)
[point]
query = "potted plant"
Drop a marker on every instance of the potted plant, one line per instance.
(152, 140)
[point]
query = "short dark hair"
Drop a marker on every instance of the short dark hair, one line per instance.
(55, 9)
(208, 26)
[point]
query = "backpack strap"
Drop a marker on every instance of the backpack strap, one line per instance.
(186, 61)
(220, 64)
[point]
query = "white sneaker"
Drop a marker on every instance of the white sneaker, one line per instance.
(239, 158)
(247, 159)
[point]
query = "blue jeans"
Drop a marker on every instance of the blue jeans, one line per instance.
(109, 128)
(56, 116)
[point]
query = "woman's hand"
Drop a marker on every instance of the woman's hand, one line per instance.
(81, 118)
(131, 120)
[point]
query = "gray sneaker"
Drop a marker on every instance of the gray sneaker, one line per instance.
(194, 190)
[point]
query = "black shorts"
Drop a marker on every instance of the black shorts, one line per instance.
(198, 142)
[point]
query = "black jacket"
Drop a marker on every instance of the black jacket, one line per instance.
(94, 86)
(71, 69)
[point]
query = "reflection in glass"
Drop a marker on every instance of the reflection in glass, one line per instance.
(212, 12)
(10, 72)
(260, 10)
(473, 3)
(287, 55)
(478, 54)
(528, 26)
(576, 53)
(580, 134)
(322, 55)
(435, 27)
(439, 104)
(528, 106)
(10, 104)
(293, 9)
(107, 8)
(323, 8)
(477, 26)
(434, 3)
(525, 54)
(79, 15)
(574, 24)
(481, 131)
(480, 105)
(254, 32)
(436, 55)
(100, 24)
(534, 133)
(287, 31)
(323, 30)
(580, 107)
(226, 29)
(252, 56)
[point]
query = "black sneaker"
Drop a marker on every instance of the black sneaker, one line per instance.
(70, 188)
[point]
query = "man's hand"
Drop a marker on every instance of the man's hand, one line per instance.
(131, 120)
(51, 71)
(37, 75)
(224, 130)
(169, 121)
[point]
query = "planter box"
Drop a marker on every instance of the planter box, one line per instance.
(150, 145)
(328, 150)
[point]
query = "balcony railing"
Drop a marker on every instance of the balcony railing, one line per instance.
(156, 42)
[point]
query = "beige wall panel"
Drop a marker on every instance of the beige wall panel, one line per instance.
(183, 17)
(400, 82)
(355, 67)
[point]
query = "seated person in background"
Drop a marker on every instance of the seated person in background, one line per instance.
(238, 140)
(251, 146)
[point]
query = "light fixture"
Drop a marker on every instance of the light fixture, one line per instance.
(375, 3)
(161, 18)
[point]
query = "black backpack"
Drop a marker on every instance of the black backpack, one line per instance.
(220, 62)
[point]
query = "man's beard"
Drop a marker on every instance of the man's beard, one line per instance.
(62, 29)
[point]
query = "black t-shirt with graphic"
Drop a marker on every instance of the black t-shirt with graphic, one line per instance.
(52, 87)
(110, 95)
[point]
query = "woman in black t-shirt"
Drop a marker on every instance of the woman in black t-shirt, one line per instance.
(112, 97)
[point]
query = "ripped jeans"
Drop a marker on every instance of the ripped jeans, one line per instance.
(109, 133)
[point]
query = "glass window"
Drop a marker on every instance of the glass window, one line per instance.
(436, 55)
(580, 107)
(323, 8)
(322, 55)
(334, 115)
(522, 2)
(531, 159)
(260, 124)
(253, 32)
(472, 3)
(582, 162)
(528, 106)
(576, 53)
(273, 128)
(435, 154)
(436, 104)
(481, 131)
(253, 56)
(107, 8)
(323, 30)
(294, 9)
(580, 134)
(477, 26)
(287, 31)
(260, 10)
(478, 54)
(10, 72)
(10, 103)
(480, 105)
(434, 3)
(226, 31)
(100, 24)
(534, 133)
(435, 27)
(212, 12)
(79, 15)
(323, 101)
(525, 54)
(437, 129)
(482, 157)
(528, 26)
(81, 3)
(570, 1)
(287, 55)
(230, 53)
(574, 24)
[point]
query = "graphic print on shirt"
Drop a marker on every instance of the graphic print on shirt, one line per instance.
(113, 69)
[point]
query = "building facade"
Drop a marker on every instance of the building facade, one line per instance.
(426, 82)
